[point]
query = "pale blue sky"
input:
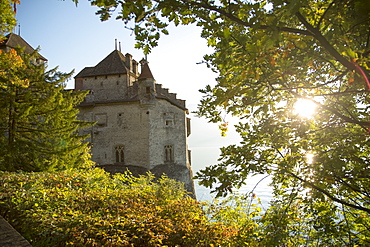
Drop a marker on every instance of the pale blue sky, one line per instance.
(74, 37)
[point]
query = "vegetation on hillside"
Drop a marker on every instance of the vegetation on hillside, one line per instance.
(93, 208)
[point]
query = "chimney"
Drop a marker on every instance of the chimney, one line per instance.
(129, 61)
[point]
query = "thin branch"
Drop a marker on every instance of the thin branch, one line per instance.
(364, 125)
(347, 223)
(324, 42)
(321, 85)
(322, 16)
(367, 41)
(345, 183)
(252, 191)
(244, 23)
(343, 92)
(329, 195)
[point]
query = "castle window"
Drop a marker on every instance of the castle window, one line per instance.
(120, 155)
(169, 123)
(147, 89)
(169, 119)
(188, 129)
(168, 153)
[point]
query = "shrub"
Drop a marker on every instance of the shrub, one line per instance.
(94, 208)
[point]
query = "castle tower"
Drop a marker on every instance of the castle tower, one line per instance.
(146, 83)
(140, 125)
(13, 40)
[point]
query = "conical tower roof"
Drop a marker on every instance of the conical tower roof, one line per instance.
(145, 71)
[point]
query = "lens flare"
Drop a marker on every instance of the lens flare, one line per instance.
(310, 158)
(305, 108)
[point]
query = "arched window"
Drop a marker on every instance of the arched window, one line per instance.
(168, 153)
(120, 155)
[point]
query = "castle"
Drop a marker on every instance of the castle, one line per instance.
(140, 126)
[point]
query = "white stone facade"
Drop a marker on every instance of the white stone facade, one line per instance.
(140, 125)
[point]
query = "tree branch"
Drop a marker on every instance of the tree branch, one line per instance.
(322, 16)
(311, 31)
(364, 125)
(328, 194)
(244, 23)
(324, 42)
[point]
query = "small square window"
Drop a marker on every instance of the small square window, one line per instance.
(169, 123)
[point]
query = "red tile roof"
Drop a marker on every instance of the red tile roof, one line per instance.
(145, 71)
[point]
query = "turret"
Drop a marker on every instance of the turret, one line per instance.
(146, 83)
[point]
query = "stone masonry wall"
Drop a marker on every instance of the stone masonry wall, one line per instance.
(9, 237)
(167, 127)
(122, 124)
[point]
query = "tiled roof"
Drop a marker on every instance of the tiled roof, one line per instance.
(145, 72)
(113, 64)
(12, 40)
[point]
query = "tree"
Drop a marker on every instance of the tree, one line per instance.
(7, 17)
(269, 54)
(39, 124)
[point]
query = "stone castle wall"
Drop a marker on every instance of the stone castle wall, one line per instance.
(140, 125)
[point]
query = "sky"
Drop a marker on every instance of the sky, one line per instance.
(73, 37)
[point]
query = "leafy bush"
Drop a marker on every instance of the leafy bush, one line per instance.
(93, 208)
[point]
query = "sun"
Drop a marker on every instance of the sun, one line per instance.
(310, 158)
(305, 108)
